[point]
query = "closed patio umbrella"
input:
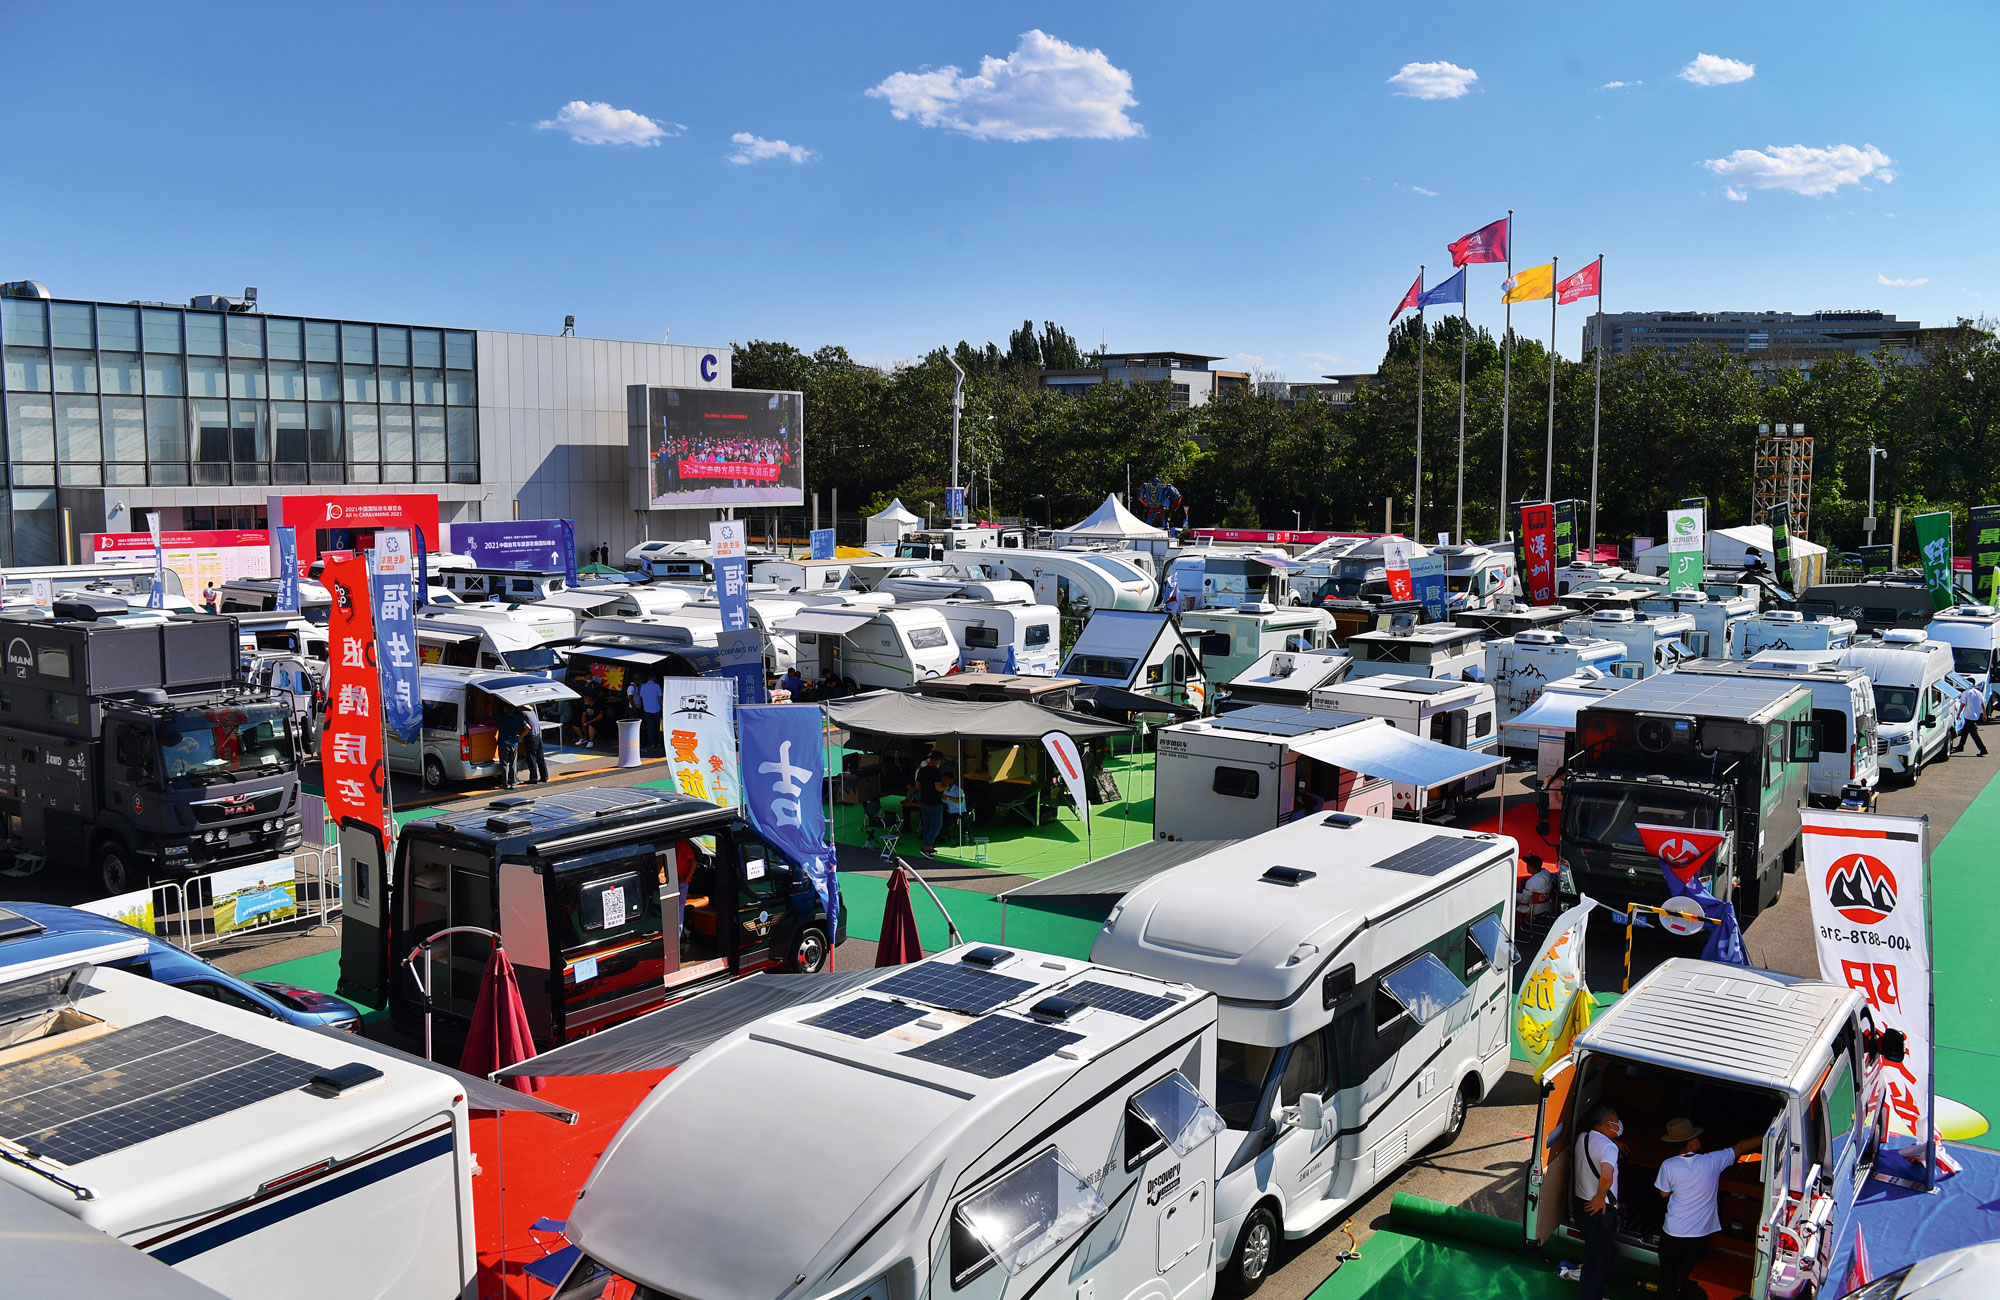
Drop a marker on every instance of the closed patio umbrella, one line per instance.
(898, 945)
(500, 1035)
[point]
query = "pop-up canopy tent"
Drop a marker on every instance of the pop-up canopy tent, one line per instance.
(1113, 523)
(892, 524)
(892, 716)
(1729, 548)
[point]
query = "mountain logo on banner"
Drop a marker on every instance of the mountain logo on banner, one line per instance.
(1861, 888)
(1680, 850)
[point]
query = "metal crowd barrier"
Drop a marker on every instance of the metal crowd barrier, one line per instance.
(185, 912)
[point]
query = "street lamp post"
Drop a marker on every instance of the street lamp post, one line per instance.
(1874, 453)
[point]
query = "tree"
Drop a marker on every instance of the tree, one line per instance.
(1058, 349)
(1023, 351)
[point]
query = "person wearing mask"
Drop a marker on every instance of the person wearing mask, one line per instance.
(1971, 709)
(1597, 1190)
(510, 728)
(1688, 1181)
(531, 746)
(929, 785)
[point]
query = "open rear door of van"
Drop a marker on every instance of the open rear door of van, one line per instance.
(1780, 1201)
(1548, 1167)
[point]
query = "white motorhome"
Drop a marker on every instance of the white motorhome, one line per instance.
(1081, 579)
(1915, 709)
(1138, 651)
(916, 591)
(1591, 573)
(281, 631)
(1286, 678)
(1359, 571)
(1843, 715)
(802, 575)
(1788, 629)
(544, 622)
(1477, 577)
(461, 706)
(1227, 578)
(474, 644)
(1423, 650)
(1363, 971)
(1455, 713)
(871, 648)
(243, 1148)
(1230, 640)
(614, 599)
(1521, 666)
(1241, 773)
(679, 631)
(1719, 621)
(1006, 1119)
(1006, 638)
(1973, 633)
(869, 575)
(1653, 643)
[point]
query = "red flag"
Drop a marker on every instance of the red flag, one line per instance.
(1581, 285)
(1486, 244)
(1409, 302)
(351, 756)
(1860, 1272)
(1682, 850)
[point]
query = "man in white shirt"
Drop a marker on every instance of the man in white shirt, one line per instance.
(1688, 1181)
(1971, 710)
(1596, 1165)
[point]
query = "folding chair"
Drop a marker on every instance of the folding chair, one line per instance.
(554, 1265)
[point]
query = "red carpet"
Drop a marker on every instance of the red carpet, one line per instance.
(546, 1165)
(1521, 825)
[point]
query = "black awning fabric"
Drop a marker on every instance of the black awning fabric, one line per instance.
(916, 717)
(1114, 700)
(1119, 873)
(663, 1039)
(480, 1094)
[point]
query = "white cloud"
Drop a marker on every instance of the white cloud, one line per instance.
(1895, 283)
(1620, 85)
(1714, 70)
(1885, 176)
(1433, 80)
(602, 124)
(752, 148)
(1046, 89)
(1799, 168)
(1429, 194)
(1734, 195)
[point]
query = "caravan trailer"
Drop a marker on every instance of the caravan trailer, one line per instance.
(1363, 970)
(1226, 578)
(1521, 666)
(1788, 629)
(1455, 713)
(1230, 640)
(1653, 644)
(871, 647)
(1242, 773)
(1005, 638)
(1141, 652)
(801, 574)
(1005, 1120)
(1081, 579)
(1426, 650)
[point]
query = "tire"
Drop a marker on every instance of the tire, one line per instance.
(116, 873)
(433, 772)
(1461, 1102)
(1250, 1263)
(810, 951)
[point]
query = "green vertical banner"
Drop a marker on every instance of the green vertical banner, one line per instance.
(1565, 533)
(1687, 542)
(1934, 545)
(1986, 552)
(1781, 546)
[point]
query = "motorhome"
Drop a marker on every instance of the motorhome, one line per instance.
(229, 1145)
(1005, 638)
(1973, 633)
(1230, 640)
(515, 585)
(1719, 621)
(1788, 629)
(1477, 577)
(1519, 667)
(802, 575)
(1505, 620)
(1078, 579)
(1813, 1089)
(500, 646)
(935, 543)
(1227, 578)
(1141, 652)
(461, 706)
(283, 632)
(1543, 731)
(1008, 1120)
(1363, 974)
(260, 595)
(917, 591)
(1653, 643)
(1843, 714)
(1241, 773)
(1286, 678)
(1359, 571)
(1424, 650)
(1875, 604)
(868, 648)
(545, 622)
(617, 600)
(1915, 709)
(1455, 713)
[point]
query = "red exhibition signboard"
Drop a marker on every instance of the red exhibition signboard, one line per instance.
(320, 518)
(1538, 552)
(352, 759)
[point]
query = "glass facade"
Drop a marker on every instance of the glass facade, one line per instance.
(96, 394)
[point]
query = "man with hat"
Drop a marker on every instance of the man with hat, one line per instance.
(1688, 1181)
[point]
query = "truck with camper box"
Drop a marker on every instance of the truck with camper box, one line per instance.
(1286, 678)
(1727, 754)
(1419, 650)
(1654, 643)
(1455, 713)
(1915, 709)
(1140, 651)
(1843, 715)
(1520, 667)
(1230, 640)
(1788, 629)
(1719, 621)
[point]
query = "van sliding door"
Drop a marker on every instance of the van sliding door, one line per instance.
(1549, 1160)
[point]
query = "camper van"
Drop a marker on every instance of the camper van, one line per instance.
(1788, 629)
(1359, 571)
(871, 648)
(616, 600)
(1875, 604)
(283, 632)
(1426, 650)
(1519, 667)
(1676, 1047)
(471, 643)
(1719, 621)
(1843, 712)
(1007, 1120)
(1915, 709)
(1362, 969)
(1653, 643)
(459, 741)
(1242, 773)
(1477, 577)
(248, 1154)
(1455, 713)
(1973, 633)
(1006, 638)
(1286, 678)
(1141, 652)
(1225, 579)
(259, 595)
(1230, 640)
(802, 575)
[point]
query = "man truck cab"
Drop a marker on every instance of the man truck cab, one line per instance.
(1742, 1053)
(1362, 974)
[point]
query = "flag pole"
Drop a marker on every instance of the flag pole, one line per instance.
(1549, 472)
(1506, 381)
(1597, 406)
(1423, 340)
(1464, 326)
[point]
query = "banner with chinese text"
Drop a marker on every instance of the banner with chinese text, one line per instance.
(1934, 549)
(1687, 545)
(1565, 533)
(396, 635)
(1986, 553)
(698, 717)
(1538, 553)
(784, 788)
(1781, 545)
(351, 756)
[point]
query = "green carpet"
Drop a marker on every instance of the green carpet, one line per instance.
(1396, 1266)
(1966, 996)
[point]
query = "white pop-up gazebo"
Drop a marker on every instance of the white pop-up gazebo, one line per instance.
(1112, 523)
(893, 524)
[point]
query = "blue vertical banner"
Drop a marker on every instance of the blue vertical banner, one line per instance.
(784, 788)
(288, 569)
(732, 574)
(954, 503)
(396, 635)
(568, 551)
(822, 543)
(157, 597)
(1428, 585)
(423, 591)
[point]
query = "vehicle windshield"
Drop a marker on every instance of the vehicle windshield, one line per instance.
(1240, 1071)
(533, 659)
(1895, 703)
(318, 615)
(1608, 816)
(1971, 659)
(201, 745)
(1458, 581)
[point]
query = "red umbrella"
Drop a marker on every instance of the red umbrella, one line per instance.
(500, 1036)
(898, 945)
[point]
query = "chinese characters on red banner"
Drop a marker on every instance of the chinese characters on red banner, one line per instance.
(352, 758)
(1538, 552)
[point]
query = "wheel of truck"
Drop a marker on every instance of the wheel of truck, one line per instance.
(433, 772)
(1251, 1259)
(809, 951)
(114, 869)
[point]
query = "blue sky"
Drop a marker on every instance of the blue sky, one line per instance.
(1245, 181)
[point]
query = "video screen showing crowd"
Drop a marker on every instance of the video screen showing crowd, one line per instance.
(726, 447)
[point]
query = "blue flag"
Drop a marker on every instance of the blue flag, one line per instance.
(784, 790)
(288, 570)
(1725, 938)
(1452, 290)
(569, 552)
(396, 635)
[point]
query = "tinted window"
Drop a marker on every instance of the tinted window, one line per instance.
(440, 715)
(1038, 635)
(1099, 666)
(609, 904)
(1236, 782)
(1305, 1069)
(1240, 1070)
(982, 638)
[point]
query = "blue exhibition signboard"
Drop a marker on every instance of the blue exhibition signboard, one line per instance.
(1428, 585)
(822, 543)
(537, 545)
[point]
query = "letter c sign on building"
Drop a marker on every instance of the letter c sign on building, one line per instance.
(708, 369)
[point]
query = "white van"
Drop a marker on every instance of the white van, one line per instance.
(1422, 650)
(1718, 620)
(500, 646)
(871, 648)
(1973, 633)
(1843, 715)
(1230, 640)
(1915, 709)
(287, 632)
(1363, 972)
(802, 575)
(1141, 652)
(1006, 638)
(1520, 667)
(1455, 713)
(1477, 577)
(459, 741)
(1788, 629)
(1653, 643)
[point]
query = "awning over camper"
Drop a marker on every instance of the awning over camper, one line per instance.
(1554, 711)
(665, 1038)
(480, 1094)
(1119, 873)
(620, 654)
(917, 717)
(1388, 753)
(1112, 700)
(520, 691)
(826, 622)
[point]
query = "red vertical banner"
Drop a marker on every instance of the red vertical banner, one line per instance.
(1538, 552)
(352, 761)
(1396, 569)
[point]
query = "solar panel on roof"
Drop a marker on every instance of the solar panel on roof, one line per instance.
(864, 1017)
(1119, 1001)
(1433, 857)
(995, 1046)
(952, 987)
(1423, 685)
(135, 1084)
(1274, 720)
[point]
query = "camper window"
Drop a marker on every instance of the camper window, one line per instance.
(1021, 1216)
(1490, 945)
(1482, 726)
(1155, 674)
(1831, 726)
(927, 638)
(1214, 645)
(607, 904)
(1170, 1113)
(440, 715)
(1305, 1069)
(1240, 1071)
(1037, 635)
(1424, 988)
(1101, 666)
(981, 638)
(1298, 643)
(1236, 782)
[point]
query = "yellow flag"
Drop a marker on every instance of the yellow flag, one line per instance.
(1529, 284)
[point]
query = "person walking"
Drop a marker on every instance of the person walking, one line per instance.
(649, 707)
(929, 785)
(1971, 711)
(531, 746)
(509, 728)
(1597, 1188)
(1688, 1181)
